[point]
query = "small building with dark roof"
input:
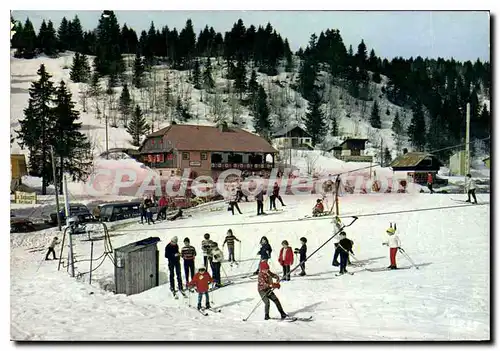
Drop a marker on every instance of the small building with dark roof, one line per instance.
(351, 150)
(292, 137)
(417, 165)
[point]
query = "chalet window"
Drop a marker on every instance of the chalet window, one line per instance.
(216, 158)
(235, 158)
(355, 152)
(203, 156)
(185, 156)
(308, 140)
(170, 157)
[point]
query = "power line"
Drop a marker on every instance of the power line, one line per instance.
(302, 219)
(455, 146)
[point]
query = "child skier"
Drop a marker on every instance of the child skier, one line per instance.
(319, 208)
(201, 281)
(217, 258)
(52, 246)
(206, 248)
(286, 259)
(302, 255)
(266, 286)
(345, 246)
(230, 238)
(394, 243)
(260, 203)
(188, 254)
(470, 187)
(264, 252)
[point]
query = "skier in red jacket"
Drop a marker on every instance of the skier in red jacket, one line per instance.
(266, 286)
(201, 281)
(286, 259)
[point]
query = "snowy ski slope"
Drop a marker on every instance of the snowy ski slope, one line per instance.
(446, 299)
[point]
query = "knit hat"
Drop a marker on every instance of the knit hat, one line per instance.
(304, 240)
(186, 240)
(263, 266)
(391, 230)
(206, 236)
(174, 240)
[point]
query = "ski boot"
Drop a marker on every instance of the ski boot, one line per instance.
(302, 274)
(284, 315)
(199, 306)
(266, 317)
(207, 306)
(336, 263)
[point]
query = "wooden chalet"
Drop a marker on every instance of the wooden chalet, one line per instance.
(206, 150)
(417, 165)
(351, 150)
(292, 137)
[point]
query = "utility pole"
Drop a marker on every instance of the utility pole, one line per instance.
(55, 186)
(381, 152)
(467, 141)
(68, 214)
(106, 121)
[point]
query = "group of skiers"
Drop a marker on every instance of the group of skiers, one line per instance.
(146, 210)
(238, 195)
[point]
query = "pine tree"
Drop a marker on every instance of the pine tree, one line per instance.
(375, 121)
(376, 78)
(361, 55)
(253, 85)
(261, 121)
(80, 69)
(75, 35)
(95, 86)
(387, 158)
(63, 35)
(125, 104)
(315, 120)
(397, 128)
(416, 130)
(208, 80)
(109, 60)
(334, 129)
(35, 129)
(240, 84)
(137, 126)
(71, 147)
(196, 77)
(137, 79)
(27, 41)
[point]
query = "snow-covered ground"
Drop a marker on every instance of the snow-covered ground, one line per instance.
(447, 298)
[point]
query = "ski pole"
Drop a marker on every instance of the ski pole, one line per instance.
(319, 248)
(403, 252)
(239, 252)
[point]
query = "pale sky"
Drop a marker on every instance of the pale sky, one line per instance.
(462, 35)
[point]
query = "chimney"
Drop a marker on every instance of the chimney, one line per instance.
(223, 127)
(405, 151)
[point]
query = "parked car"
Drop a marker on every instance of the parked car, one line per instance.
(118, 211)
(76, 210)
(20, 225)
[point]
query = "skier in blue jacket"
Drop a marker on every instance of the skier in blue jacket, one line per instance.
(264, 252)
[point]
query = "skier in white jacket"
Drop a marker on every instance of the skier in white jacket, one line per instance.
(394, 243)
(218, 258)
(470, 187)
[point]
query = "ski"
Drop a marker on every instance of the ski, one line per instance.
(338, 274)
(183, 293)
(222, 286)
(294, 319)
(385, 269)
(202, 312)
(175, 294)
(216, 310)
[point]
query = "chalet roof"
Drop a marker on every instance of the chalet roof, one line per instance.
(411, 159)
(486, 159)
(284, 131)
(209, 138)
(138, 245)
(352, 139)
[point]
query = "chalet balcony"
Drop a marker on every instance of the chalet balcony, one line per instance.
(242, 166)
(356, 158)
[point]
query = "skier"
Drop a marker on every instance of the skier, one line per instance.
(201, 281)
(266, 286)
(302, 255)
(429, 182)
(174, 263)
(206, 248)
(162, 208)
(319, 208)
(230, 238)
(286, 259)
(52, 246)
(175, 216)
(276, 194)
(394, 243)
(338, 227)
(217, 258)
(142, 209)
(264, 252)
(188, 254)
(240, 195)
(233, 202)
(260, 203)
(345, 246)
(470, 187)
